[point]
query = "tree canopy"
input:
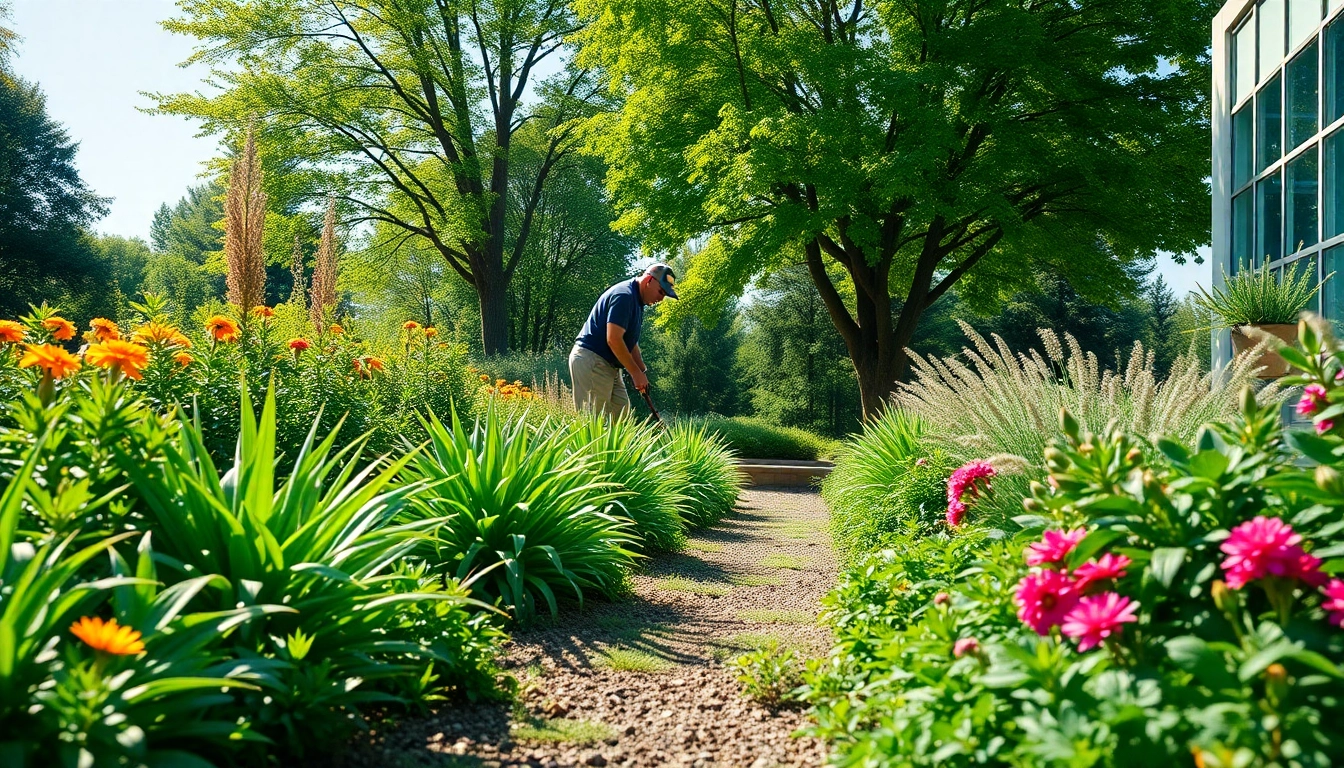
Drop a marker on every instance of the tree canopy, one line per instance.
(917, 146)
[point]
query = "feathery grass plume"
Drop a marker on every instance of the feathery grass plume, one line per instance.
(323, 292)
(244, 222)
(298, 294)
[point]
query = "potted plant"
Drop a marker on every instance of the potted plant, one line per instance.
(1254, 302)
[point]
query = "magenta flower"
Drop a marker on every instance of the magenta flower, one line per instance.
(1313, 398)
(1104, 568)
(1044, 598)
(1098, 617)
(964, 646)
(1054, 546)
(1267, 546)
(1324, 425)
(962, 482)
(1334, 602)
(942, 598)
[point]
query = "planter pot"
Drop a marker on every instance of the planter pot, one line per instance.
(1271, 363)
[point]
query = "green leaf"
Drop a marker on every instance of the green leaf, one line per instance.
(1165, 563)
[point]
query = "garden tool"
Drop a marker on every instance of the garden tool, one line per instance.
(649, 402)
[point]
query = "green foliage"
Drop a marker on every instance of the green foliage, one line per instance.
(713, 480)
(629, 454)
(770, 675)
(756, 438)
(524, 516)
(868, 516)
(1260, 296)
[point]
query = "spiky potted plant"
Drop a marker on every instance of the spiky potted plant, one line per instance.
(1255, 302)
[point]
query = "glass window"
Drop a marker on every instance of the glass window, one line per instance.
(1334, 185)
(1269, 119)
(1334, 71)
(1332, 291)
(1242, 229)
(1309, 266)
(1243, 124)
(1303, 17)
(1269, 219)
(1243, 52)
(1270, 17)
(1299, 231)
(1302, 94)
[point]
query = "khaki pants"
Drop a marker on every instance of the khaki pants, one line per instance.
(598, 385)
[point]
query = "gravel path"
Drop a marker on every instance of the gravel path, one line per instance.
(642, 682)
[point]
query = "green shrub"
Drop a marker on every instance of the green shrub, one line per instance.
(770, 675)
(630, 454)
(759, 439)
(526, 519)
(1260, 296)
(713, 479)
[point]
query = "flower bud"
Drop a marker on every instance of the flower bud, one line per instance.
(1328, 479)
(1222, 596)
(1248, 400)
(1032, 505)
(942, 598)
(964, 646)
(1276, 682)
(1056, 460)
(1134, 455)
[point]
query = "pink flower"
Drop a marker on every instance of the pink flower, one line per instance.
(1324, 425)
(1097, 618)
(1104, 568)
(1334, 603)
(1313, 397)
(942, 598)
(1054, 546)
(1267, 546)
(1044, 598)
(964, 646)
(963, 481)
(1339, 375)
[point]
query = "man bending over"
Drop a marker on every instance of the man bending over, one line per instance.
(609, 342)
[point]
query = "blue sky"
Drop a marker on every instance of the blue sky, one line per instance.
(93, 58)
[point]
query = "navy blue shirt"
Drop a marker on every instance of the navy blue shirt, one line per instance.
(620, 305)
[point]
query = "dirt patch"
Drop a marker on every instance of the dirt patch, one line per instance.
(643, 682)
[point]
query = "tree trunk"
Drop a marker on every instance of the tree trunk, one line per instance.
(492, 298)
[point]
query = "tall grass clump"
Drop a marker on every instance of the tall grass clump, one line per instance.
(1258, 297)
(531, 520)
(629, 453)
(713, 479)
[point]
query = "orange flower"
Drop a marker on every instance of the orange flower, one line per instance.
(264, 312)
(11, 332)
(125, 356)
(222, 329)
(298, 345)
(184, 359)
(104, 329)
(51, 359)
(358, 366)
(336, 330)
(410, 325)
(62, 329)
(485, 379)
(431, 331)
(159, 332)
(374, 363)
(500, 382)
(108, 637)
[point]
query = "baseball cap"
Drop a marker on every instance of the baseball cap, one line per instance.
(665, 277)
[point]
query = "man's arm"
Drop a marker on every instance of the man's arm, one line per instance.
(639, 359)
(616, 340)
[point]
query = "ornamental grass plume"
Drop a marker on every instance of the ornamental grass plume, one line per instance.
(323, 293)
(108, 637)
(1097, 618)
(244, 223)
(11, 332)
(61, 329)
(126, 357)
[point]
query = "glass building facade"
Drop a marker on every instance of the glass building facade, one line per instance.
(1278, 135)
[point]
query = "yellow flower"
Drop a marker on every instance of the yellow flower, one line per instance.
(160, 332)
(500, 382)
(50, 358)
(62, 329)
(125, 356)
(485, 379)
(108, 637)
(431, 332)
(222, 329)
(263, 312)
(184, 359)
(336, 330)
(11, 332)
(104, 329)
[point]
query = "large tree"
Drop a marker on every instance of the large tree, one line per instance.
(918, 145)
(404, 109)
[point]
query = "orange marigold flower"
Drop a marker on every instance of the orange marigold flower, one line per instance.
(222, 329)
(108, 636)
(431, 331)
(500, 382)
(298, 345)
(184, 359)
(125, 356)
(485, 378)
(62, 329)
(263, 311)
(160, 332)
(104, 329)
(410, 325)
(11, 332)
(374, 363)
(336, 330)
(50, 358)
